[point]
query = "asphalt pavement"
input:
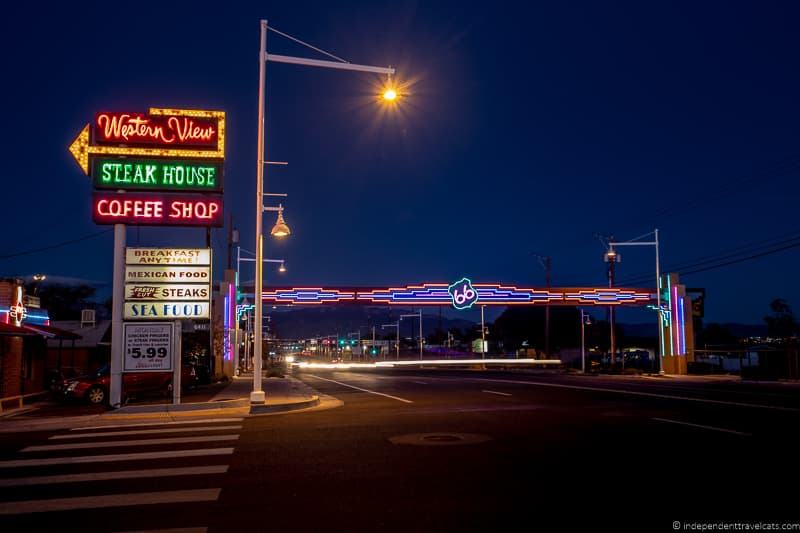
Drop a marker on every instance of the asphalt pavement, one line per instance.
(427, 450)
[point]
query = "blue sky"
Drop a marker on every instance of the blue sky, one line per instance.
(524, 127)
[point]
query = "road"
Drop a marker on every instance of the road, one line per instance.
(428, 450)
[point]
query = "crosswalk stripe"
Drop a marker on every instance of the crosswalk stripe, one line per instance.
(171, 530)
(169, 423)
(121, 474)
(107, 458)
(111, 500)
(121, 443)
(141, 432)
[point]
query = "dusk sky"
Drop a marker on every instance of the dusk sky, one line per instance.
(522, 127)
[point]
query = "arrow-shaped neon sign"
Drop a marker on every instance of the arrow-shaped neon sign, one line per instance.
(81, 149)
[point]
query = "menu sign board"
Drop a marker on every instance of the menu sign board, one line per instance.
(167, 283)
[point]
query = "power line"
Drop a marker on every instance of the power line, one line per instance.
(724, 254)
(726, 260)
(54, 246)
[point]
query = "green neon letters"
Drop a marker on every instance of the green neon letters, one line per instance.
(166, 175)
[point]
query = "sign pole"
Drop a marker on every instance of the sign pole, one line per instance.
(177, 329)
(117, 306)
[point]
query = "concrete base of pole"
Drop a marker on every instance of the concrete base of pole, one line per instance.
(258, 397)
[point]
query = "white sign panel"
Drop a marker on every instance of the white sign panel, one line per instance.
(168, 256)
(166, 310)
(148, 347)
(174, 291)
(167, 274)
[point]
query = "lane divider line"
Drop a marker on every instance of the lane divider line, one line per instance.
(638, 393)
(700, 426)
(360, 389)
(495, 392)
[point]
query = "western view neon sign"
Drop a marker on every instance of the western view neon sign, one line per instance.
(138, 128)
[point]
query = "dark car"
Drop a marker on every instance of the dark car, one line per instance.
(93, 388)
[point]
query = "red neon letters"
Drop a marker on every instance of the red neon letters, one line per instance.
(157, 209)
(137, 128)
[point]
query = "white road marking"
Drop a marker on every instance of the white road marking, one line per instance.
(420, 382)
(111, 500)
(495, 392)
(141, 432)
(635, 393)
(121, 474)
(711, 428)
(171, 530)
(108, 458)
(121, 443)
(172, 422)
(362, 390)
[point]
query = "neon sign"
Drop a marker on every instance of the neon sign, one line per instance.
(82, 149)
(157, 175)
(157, 209)
(463, 294)
(18, 313)
(138, 128)
(439, 294)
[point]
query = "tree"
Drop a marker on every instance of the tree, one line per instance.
(781, 323)
(716, 335)
(519, 324)
(64, 302)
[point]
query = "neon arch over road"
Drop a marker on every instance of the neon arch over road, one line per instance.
(437, 294)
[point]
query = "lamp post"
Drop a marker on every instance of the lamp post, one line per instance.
(585, 320)
(654, 242)
(483, 334)
(257, 396)
(419, 315)
(397, 345)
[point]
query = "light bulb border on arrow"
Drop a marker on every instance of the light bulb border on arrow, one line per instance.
(81, 150)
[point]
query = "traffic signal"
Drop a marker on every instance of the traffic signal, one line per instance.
(353, 342)
(341, 342)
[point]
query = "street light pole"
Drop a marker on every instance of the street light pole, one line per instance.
(397, 326)
(483, 334)
(257, 396)
(654, 243)
(583, 344)
(419, 315)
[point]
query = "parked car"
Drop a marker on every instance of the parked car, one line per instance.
(93, 388)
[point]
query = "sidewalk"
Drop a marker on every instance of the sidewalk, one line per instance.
(282, 394)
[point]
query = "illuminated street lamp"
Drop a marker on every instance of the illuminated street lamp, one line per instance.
(257, 396)
(280, 229)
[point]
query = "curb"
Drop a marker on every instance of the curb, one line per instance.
(283, 407)
(170, 408)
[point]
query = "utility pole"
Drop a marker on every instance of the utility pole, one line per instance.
(546, 263)
(612, 261)
(611, 257)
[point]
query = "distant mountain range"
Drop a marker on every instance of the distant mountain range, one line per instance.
(307, 322)
(319, 321)
(648, 329)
